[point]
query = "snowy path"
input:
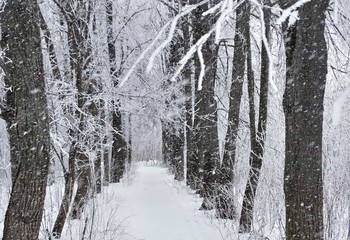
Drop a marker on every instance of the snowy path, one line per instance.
(154, 209)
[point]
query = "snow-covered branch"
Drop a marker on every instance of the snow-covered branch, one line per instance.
(266, 45)
(226, 10)
(143, 54)
(186, 10)
(289, 11)
(202, 73)
(190, 52)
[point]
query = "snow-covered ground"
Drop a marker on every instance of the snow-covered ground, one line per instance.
(156, 210)
(148, 205)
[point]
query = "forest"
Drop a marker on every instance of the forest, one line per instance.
(233, 113)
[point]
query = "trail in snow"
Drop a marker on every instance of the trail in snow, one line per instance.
(155, 210)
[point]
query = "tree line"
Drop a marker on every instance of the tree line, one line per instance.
(64, 72)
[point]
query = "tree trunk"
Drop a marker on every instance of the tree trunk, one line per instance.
(119, 149)
(105, 145)
(69, 177)
(129, 152)
(98, 169)
(27, 119)
(257, 135)
(175, 129)
(178, 144)
(188, 89)
(106, 162)
(80, 54)
(167, 146)
(205, 125)
(225, 203)
(306, 65)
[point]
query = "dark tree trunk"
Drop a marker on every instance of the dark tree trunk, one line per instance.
(129, 152)
(225, 203)
(119, 147)
(172, 150)
(98, 170)
(84, 185)
(69, 177)
(205, 126)
(193, 164)
(175, 128)
(188, 89)
(306, 65)
(257, 135)
(178, 144)
(51, 51)
(27, 120)
(167, 146)
(106, 162)
(101, 156)
(105, 144)
(80, 54)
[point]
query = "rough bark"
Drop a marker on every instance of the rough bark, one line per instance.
(105, 145)
(27, 120)
(119, 150)
(193, 164)
(257, 134)
(205, 134)
(306, 65)
(119, 147)
(225, 202)
(106, 162)
(178, 144)
(98, 169)
(78, 18)
(188, 89)
(176, 52)
(51, 51)
(167, 151)
(69, 177)
(172, 150)
(129, 152)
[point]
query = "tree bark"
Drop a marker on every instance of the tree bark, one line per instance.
(178, 144)
(175, 129)
(119, 151)
(225, 203)
(306, 65)
(98, 169)
(205, 134)
(69, 177)
(129, 152)
(27, 120)
(257, 134)
(119, 147)
(106, 161)
(167, 149)
(80, 54)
